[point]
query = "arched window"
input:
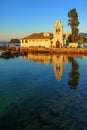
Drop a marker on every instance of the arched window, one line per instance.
(57, 30)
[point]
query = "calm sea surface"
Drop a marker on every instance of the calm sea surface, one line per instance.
(43, 92)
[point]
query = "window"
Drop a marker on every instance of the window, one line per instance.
(46, 40)
(26, 41)
(22, 41)
(37, 40)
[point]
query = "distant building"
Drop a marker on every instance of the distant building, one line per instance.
(56, 39)
(73, 45)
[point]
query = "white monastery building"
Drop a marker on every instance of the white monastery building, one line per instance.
(57, 39)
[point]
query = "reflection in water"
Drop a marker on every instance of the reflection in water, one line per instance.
(74, 74)
(31, 101)
(57, 60)
(46, 59)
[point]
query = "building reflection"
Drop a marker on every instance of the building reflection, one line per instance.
(46, 59)
(58, 62)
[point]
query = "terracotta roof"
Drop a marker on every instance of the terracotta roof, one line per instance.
(39, 36)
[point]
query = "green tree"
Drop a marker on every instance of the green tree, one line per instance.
(14, 41)
(73, 23)
(69, 38)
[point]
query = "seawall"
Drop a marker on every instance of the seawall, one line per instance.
(45, 50)
(55, 50)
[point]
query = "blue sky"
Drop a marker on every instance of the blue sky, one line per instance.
(19, 18)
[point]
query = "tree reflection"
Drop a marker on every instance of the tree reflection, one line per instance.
(74, 74)
(58, 64)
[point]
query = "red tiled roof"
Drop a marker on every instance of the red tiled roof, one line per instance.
(39, 36)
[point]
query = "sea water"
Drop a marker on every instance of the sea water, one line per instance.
(43, 92)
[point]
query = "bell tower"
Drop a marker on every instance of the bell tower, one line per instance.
(58, 34)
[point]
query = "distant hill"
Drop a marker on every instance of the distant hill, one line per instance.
(3, 42)
(83, 34)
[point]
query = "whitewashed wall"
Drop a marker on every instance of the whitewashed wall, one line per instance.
(38, 42)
